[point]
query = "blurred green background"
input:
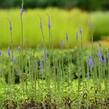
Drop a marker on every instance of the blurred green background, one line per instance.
(66, 16)
(84, 4)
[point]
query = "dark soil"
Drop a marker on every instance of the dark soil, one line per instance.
(46, 104)
(10, 104)
(68, 103)
(28, 104)
(51, 104)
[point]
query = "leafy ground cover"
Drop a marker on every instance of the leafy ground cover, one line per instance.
(52, 79)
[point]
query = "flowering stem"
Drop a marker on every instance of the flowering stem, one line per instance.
(49, 39)
(12, 44)
(43, 37)
(41, 27)
(22, 31)
(22, 45)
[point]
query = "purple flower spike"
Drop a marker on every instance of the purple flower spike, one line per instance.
(9, 52)
(90, 65)
(49, 23)
(35, 64)
(90, 24)
(76, 35)
(45, 55)
(80, 30)
(21, 11)
(107, 55)
(67, 36)
(62, 44)
(105, 59)
(99, 56)
(100, 59)
(10, 24)
(40, 23)
(0, 53)
(41, 66)
(14, 59)
(90, 62)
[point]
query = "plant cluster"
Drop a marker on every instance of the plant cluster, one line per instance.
(54, 81)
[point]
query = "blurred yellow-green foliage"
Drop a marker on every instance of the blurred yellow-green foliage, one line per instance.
(62, 21)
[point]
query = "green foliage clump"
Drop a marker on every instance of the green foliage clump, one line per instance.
(100, 24)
